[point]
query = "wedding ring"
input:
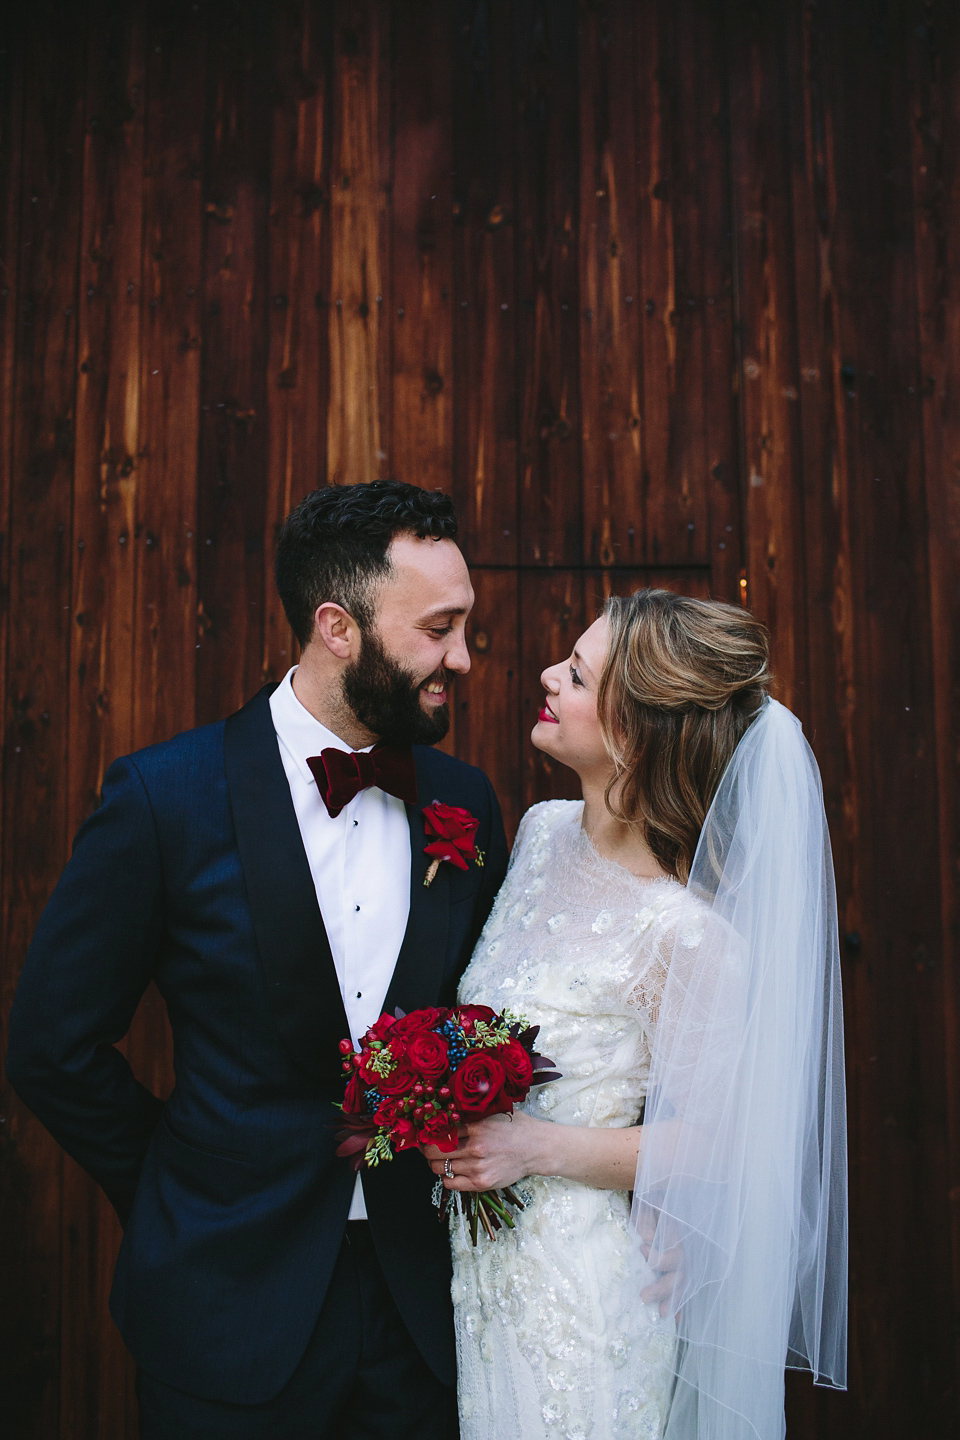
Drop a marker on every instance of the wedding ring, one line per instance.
(448, 1168)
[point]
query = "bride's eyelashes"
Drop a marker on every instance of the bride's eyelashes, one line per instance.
(575, 676)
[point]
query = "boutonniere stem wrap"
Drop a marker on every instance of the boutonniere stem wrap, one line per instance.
(452, 833)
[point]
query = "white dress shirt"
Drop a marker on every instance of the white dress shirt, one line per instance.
(360, 863)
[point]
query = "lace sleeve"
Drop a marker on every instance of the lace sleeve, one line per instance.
(645, 994)
(695, 1020)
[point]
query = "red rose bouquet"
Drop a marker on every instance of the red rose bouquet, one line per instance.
(418, 1077)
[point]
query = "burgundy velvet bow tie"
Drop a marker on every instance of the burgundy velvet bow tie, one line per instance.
(341, 774)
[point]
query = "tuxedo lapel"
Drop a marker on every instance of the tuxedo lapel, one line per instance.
(419, 969)
(301, 979)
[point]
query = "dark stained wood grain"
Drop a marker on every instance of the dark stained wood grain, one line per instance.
(676, 181)
(486, 702)
(95, 1380)
(172, 288)
(16, 1180)
(705, 102)
(484, 207)
(769, 381)
(610, 379)
(35, 716)
(934, 52)
(298, 375)
(548, 318)
(421, 240)
(166, 619)
(233, 429)
(359, 431)
(875, 724)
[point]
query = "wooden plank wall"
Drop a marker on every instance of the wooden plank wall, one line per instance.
(664, 293)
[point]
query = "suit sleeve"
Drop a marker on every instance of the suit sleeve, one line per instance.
(89, 963)
(494, 866)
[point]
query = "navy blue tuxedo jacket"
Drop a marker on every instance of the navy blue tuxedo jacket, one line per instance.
(192, 873)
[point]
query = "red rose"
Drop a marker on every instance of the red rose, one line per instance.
(355, 1099)
(427, 1053)
(455, 830)
(468, 1015)
(440, 1130)
(429, 1018)
(478, 1085)
(400, 1080)
(403, 1135)
(519, 1067)
(380, 1029)
(388, 1111)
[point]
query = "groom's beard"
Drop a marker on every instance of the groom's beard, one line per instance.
(385, 698)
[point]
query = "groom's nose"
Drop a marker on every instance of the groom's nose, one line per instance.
(457, 657)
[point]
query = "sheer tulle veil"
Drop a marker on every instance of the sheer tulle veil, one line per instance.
(743, 1162)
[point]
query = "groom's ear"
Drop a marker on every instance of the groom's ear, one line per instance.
(335, 628)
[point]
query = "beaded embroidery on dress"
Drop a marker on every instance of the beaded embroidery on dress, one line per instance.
(553, 1341)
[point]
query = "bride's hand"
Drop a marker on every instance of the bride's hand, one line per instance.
(492, 1153)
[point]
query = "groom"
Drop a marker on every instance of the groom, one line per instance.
(268, 873)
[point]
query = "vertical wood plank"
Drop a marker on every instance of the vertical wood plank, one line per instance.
(934, 53)
(11, 148)
(233, 433)
(832, 644)
(548, 345)
(484, 205)
(358, 433)
(16, 1181)
(298, 377)
(165, 624)
(95, 1371)
(421, 246)
(487, 701)
(718, 502)
(610, 379)
(552, 616)
(769, 380)
(36, 716)
(165, 536)
(865, 539)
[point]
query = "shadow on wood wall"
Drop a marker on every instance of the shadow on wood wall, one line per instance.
(665, 292)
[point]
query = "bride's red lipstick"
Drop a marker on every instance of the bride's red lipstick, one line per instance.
(548, 717)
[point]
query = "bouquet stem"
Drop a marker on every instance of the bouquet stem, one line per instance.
(488, 1208)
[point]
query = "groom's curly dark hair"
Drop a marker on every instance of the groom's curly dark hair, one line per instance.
(333, 546)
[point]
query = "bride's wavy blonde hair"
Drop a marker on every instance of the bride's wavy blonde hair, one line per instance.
(682, 680)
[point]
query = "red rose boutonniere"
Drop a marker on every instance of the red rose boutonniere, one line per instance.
(454, 831)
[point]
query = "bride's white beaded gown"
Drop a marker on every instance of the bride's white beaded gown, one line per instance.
(553, 1340)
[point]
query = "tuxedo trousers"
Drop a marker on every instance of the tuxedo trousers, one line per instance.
(360, 1378)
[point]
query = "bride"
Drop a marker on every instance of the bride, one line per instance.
(674, 937)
